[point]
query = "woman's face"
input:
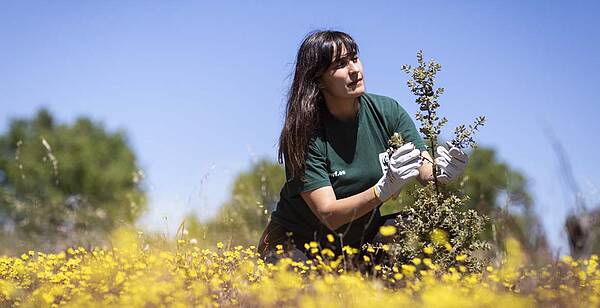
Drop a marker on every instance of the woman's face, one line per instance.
(344, 77)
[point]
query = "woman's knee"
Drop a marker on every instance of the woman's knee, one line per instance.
(276, 243)
(270, 237)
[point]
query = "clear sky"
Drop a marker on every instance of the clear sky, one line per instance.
(200, 86)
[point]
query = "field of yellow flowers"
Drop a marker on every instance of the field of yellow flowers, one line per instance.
(132, 275)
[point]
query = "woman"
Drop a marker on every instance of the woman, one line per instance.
(334, 143)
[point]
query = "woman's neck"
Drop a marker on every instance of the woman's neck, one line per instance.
(343, 109)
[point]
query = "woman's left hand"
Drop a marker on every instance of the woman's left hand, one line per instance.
(450, 163)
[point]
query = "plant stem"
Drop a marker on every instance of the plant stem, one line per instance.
(433, 139)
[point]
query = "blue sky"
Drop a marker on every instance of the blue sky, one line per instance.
(200, 86)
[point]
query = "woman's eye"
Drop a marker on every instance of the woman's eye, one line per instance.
(341, 64)
(344, 62)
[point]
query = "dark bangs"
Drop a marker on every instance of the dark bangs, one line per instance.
(335, 44)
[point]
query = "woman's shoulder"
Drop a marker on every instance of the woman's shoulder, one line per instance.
(317, 141)
(379, 99)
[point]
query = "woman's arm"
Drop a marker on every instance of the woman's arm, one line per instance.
(404, 165)
(336, 213)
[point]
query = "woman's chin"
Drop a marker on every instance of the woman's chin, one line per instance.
(357, 92)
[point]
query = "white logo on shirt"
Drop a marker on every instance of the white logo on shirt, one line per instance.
(335, 174)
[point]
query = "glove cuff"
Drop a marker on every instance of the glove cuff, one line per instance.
(380, 193)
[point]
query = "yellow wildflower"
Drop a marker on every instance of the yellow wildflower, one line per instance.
(439, 237)
(387, 230)
(330, 238)
(428, 250)
(567, 259)
(328, 252)
(408, 269)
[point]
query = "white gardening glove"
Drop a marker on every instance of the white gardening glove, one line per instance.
(450, 163)
(403, 166)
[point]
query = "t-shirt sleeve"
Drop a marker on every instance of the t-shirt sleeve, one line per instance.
(315, 173)
(403, 124)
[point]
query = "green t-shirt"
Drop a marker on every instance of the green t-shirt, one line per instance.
(350, 157)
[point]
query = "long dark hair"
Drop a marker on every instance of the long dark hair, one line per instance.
(305, 103)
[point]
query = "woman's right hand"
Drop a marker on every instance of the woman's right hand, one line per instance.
(403, 166)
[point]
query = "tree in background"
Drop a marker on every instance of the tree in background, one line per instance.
(59, 179)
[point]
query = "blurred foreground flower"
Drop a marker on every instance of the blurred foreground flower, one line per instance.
(127, 275)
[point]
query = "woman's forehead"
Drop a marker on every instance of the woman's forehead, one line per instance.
(342, 54)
